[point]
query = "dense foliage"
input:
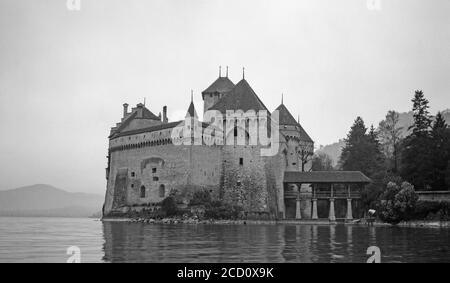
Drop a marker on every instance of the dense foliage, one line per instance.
(322, 162)
(427, 210)
(426, 151)
(169, 206)
(419, 156)
(397, 203)
(215, 209)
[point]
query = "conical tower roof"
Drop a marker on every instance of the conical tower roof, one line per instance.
(242, 97)
(285, 117)
(221, 85)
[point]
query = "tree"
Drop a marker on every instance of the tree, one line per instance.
(376, 168)
(397, 202)
(322, 162)
(362, 151)
(421, 115)
(416, 155)
(440, 153)
(305, 153)
(355, 149)
(390, 137)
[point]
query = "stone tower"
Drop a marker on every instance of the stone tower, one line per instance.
(216, 91)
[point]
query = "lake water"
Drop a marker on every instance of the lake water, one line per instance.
(47, 240)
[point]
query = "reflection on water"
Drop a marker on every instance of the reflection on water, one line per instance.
(135, 242)
(46, 240)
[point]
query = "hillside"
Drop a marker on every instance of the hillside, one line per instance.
(46, 200)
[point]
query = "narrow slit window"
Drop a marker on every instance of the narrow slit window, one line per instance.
(142, 191)
(162, 191)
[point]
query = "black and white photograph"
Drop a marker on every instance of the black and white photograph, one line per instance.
(242, 134)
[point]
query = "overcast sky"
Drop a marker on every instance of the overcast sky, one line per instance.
(64, 75)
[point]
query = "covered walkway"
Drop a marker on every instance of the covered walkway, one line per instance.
(323, 185)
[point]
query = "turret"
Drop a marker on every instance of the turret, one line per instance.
(216, 90)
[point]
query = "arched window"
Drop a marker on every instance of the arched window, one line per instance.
(162, 191)
(142, 191)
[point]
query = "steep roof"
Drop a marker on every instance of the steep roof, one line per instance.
(155, 128)
(242, 97)
(147, 114)
(221, 85)
(285, 117)
(326, 177)
(304, 135)
(191, 110)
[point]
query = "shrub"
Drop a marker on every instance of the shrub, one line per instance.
(432, 210)
(169, 206)
(398, 203)
(221, 210)
(202, 197)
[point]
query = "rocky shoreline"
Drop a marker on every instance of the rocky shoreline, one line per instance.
(193, 221)
(187, 221)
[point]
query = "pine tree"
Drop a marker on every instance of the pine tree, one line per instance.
(376, 157)
(362, 152)
(421, 115)
(440, 153)
(353, 156)
(416, 155)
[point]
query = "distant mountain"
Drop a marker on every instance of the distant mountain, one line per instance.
(405, 120)
(333, 150)
(46, 200)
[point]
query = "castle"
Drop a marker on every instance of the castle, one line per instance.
(145, 165)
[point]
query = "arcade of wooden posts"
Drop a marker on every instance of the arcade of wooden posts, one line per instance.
(324, 185)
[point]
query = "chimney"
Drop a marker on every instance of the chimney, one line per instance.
(165, 120)
(125, 109)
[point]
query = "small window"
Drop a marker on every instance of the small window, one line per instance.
(132, 185)
(162, 191)
(238, 183)
(294, 163)
(241, 161)
(153, 170)
(133, 174)
(235, 132)
(142, 192)
(155, 179)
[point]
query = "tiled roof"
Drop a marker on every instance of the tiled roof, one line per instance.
(242, 97)
(124, 123)
(326, 177)
(221, 85)
(147, 114)
(155, 128)
(149, 129)
(304, 135)
(285, 117)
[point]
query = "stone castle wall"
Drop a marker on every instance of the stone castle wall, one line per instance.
(235, 174)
